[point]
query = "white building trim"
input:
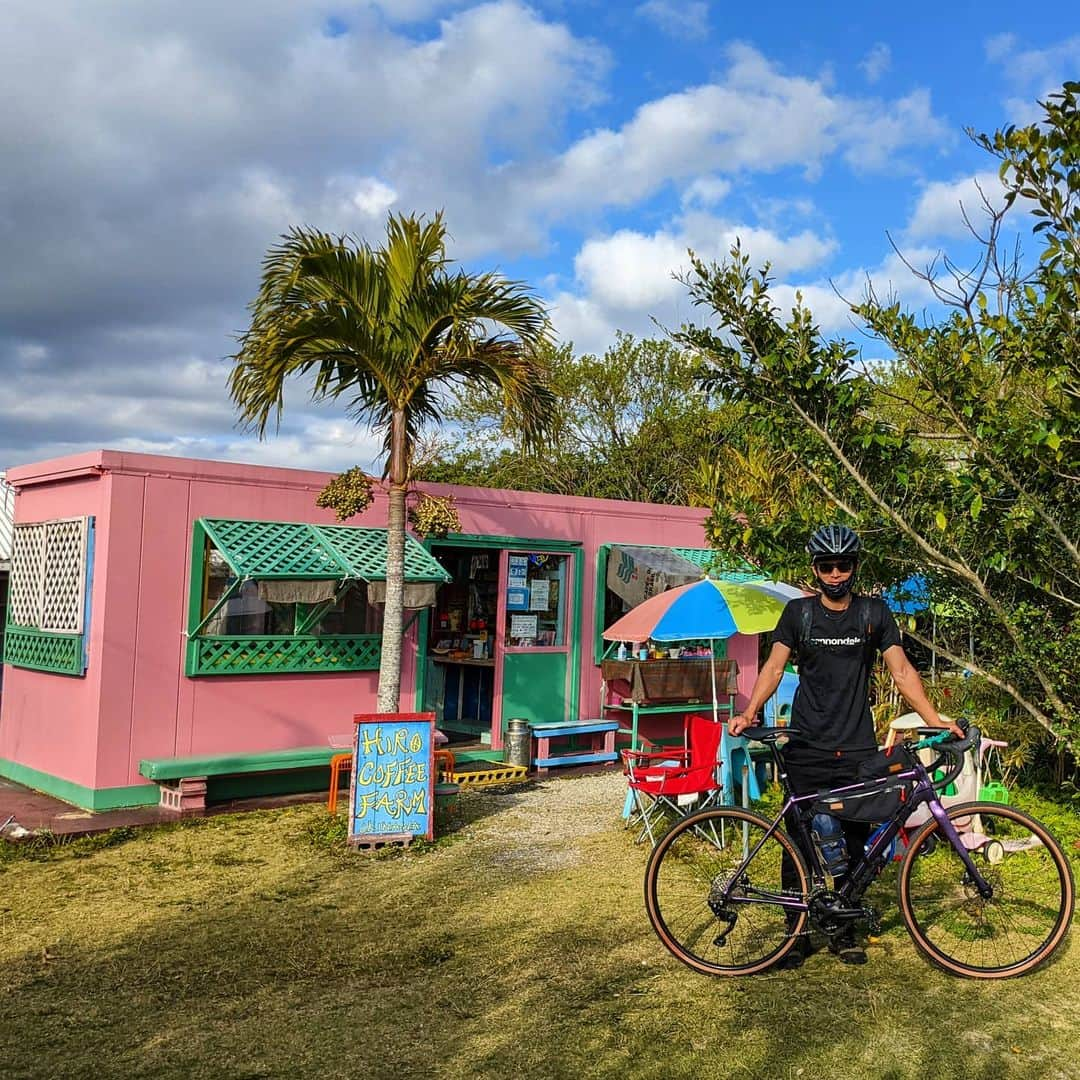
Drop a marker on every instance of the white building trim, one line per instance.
(7, 522)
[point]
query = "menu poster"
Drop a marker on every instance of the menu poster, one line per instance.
(393, 781)
(538, 594)
(517, 598)
(523, 626)
(518, 569)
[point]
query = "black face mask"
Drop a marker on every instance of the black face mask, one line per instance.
(839, 590)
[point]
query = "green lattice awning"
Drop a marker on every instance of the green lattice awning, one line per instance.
(297, 550)
(708, 558)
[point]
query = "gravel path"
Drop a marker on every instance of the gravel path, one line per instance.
(540, 825)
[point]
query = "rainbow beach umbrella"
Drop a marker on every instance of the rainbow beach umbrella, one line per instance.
(706, 609)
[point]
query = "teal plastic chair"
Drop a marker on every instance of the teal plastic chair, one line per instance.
(778, 708)
(736, 763)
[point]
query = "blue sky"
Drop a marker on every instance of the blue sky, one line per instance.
(152, 151)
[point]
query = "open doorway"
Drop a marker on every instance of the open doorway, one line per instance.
(461, 663)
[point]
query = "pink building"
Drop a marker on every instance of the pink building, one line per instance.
(163, 609)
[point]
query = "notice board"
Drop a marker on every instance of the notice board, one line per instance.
(392, 793)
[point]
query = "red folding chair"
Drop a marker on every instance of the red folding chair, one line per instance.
(673, 781)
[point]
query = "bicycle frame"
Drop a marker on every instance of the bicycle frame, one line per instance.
(865, 869)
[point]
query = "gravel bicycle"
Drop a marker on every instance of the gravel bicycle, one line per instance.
(984, 890)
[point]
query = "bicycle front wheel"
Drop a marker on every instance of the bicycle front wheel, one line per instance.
(709, 914)
(1014, 930)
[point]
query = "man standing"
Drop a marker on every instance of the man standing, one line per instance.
(835, 638)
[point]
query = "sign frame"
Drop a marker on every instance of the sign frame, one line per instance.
(395, 732)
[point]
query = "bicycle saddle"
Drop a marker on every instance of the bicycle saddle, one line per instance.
(759, 733)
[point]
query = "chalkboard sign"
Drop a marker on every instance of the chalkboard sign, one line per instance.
(393, 780)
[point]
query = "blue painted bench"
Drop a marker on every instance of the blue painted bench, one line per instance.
(601, 738)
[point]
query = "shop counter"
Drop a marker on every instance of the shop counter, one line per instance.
(657, 687)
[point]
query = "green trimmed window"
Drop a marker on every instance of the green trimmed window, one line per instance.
(277, 597)
(627, 574)
(47, 598)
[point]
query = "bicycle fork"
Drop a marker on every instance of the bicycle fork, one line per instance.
(986, 890)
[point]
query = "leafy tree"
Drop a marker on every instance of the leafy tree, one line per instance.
(391, 331)
(633, 424)
(960, 459)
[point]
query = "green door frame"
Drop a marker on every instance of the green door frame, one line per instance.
(577, 633)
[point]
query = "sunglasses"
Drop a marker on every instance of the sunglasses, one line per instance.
(845, 566)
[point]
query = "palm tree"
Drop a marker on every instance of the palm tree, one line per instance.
(392, 330)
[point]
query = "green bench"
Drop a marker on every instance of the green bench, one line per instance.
(183, 780)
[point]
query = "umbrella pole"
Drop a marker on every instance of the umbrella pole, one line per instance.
(716, 712)
(712, 656)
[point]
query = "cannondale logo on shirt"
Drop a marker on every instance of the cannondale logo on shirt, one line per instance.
(836, 641)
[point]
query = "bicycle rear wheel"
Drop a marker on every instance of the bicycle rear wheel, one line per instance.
(1024, 921)
(693, 868)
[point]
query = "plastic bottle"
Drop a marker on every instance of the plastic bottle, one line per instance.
(621, 652)
(828, 834)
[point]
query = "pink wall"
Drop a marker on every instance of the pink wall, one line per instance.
(50, 722)
(136, 702)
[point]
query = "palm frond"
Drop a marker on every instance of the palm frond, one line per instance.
(388, 329)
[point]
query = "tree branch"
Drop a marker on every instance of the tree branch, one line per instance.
(1001, 684)
(962, 570)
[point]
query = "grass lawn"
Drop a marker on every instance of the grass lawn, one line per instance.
(252, 946)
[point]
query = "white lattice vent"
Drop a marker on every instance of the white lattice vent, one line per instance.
(27, 567)
(48, 575)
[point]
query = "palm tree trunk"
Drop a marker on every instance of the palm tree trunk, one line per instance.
(394, 609)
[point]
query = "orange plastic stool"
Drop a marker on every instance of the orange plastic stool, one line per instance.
(339, 763)
(444, 762)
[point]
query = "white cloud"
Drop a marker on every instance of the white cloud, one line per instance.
(876, 62)
(155, 155)
(686, 19)
(830, 300)
(999, 46)
(943, 205)
(373, 197)
(1032, 73)
(755, 118)
(627, 279)
(705, 191)
(876, 135)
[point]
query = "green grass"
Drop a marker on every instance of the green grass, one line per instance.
(255, 946)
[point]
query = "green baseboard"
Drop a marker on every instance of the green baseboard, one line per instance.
(477, 755)
(248, 785)
(78, 795)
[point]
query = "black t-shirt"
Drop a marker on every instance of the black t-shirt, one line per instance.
(832, 704)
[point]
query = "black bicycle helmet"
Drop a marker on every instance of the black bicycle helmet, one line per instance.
(833, 541)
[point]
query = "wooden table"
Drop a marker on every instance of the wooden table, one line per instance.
(657, 687)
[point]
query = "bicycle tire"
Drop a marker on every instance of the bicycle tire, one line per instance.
(689, 863)
(1015, 930)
